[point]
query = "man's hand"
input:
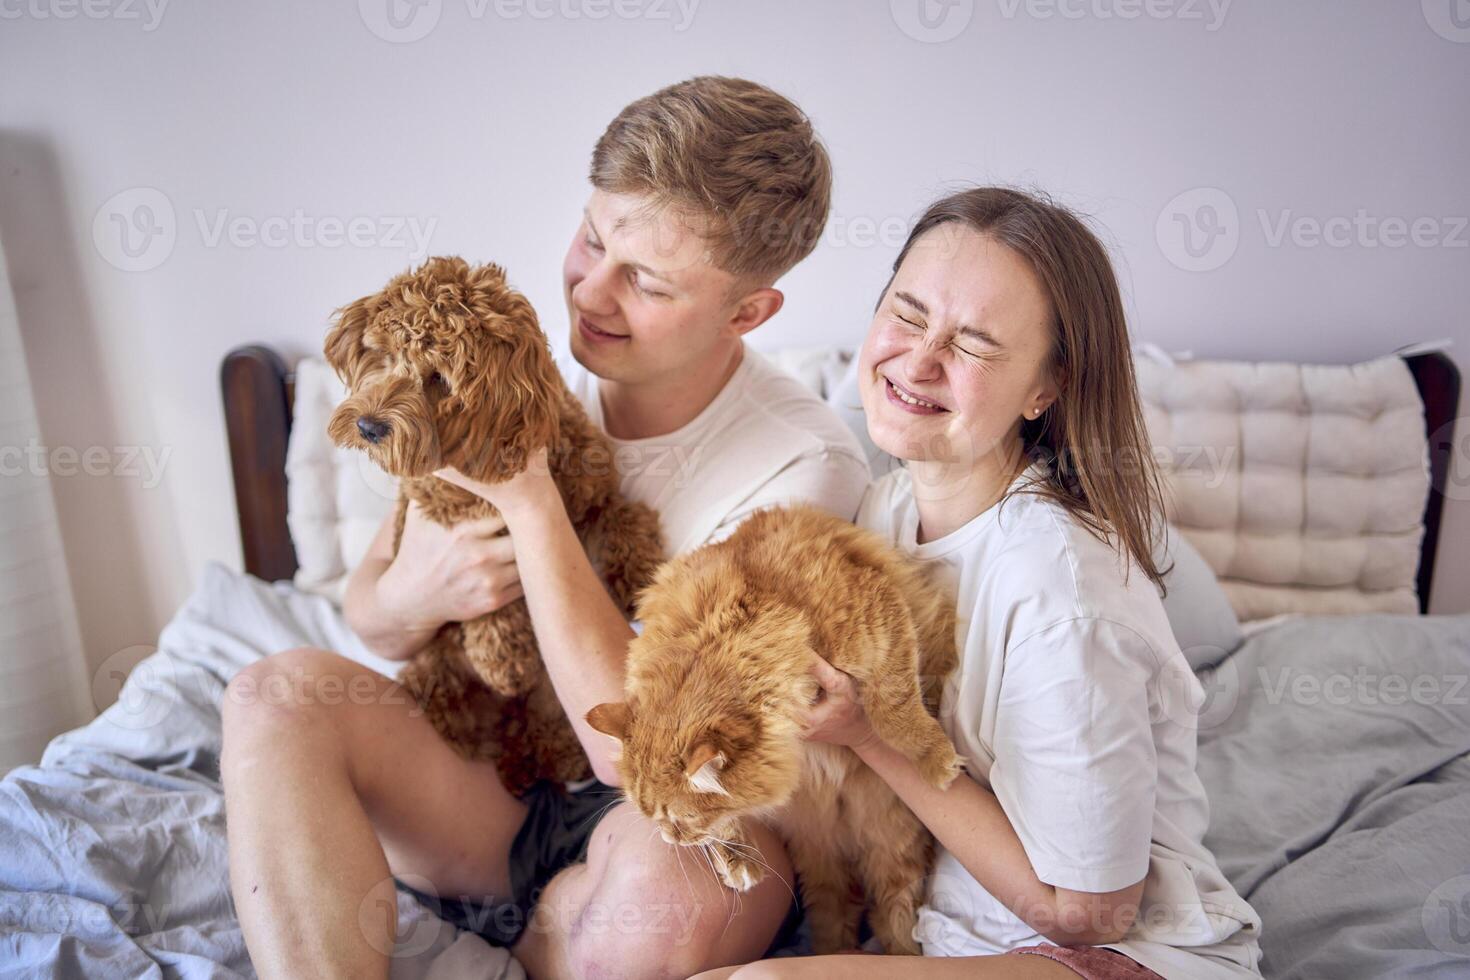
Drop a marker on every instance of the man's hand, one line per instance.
(453, 574)
(534, 484)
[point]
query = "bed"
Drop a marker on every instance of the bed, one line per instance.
(1335, 747)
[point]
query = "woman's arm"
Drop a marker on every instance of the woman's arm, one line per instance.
(968, 820)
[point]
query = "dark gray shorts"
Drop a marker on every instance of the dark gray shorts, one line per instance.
(555, 834)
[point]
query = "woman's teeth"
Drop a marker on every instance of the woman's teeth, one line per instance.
(902, 396)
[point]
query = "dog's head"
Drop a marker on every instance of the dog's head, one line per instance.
(446, 366)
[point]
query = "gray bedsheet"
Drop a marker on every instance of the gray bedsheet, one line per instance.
(112, 850)
(1345, 819)
(1335, 755)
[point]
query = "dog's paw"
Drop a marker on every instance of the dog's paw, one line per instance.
(736, 872)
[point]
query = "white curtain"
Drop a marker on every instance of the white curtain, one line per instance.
(43, 674)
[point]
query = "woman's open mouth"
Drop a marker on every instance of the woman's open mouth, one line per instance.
(910, 402)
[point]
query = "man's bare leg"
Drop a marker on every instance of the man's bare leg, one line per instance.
(640, 908)
(332, 776)
(856, 966)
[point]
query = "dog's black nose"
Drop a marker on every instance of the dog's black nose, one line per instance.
(373, 430)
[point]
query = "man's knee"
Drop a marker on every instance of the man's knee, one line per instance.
(656, 911)
(279, 695)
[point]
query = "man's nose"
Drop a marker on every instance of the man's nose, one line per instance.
(594, 295)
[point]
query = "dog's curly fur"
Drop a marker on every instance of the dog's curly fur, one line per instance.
(446, 366)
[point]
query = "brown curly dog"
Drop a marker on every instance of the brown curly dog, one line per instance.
(446, 366)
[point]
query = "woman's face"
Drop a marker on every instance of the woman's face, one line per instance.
(958, 351)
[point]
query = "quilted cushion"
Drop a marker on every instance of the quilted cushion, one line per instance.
(1303, 486)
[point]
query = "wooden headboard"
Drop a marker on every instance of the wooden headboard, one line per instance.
(257, 388)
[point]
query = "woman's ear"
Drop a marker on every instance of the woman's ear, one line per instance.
(1046, 395)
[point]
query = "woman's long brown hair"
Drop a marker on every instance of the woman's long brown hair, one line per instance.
(1100, 468)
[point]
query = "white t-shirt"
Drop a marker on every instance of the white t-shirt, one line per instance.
(765, 440)
(1075, 706)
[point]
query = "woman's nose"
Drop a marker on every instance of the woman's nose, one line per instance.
(922, 362)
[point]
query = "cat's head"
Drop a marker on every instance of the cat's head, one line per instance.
(701, 750)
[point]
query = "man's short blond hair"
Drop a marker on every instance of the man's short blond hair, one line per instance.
(742, 160)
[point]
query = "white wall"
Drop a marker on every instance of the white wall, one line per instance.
(481, 130)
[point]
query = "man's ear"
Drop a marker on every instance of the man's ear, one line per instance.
(610, 718)
(754, 308)
(703, 769)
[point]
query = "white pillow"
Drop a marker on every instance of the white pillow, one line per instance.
(335, 498)
(1199, 612)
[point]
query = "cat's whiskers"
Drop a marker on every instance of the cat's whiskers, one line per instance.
(707, 849)
(595, 817)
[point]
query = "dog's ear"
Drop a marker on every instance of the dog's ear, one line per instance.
(509, 384)
(343, 349)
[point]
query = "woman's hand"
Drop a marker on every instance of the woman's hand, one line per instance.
(837, 716)
(534, 483)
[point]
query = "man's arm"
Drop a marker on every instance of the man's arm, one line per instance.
(396, 603)
(582, 634)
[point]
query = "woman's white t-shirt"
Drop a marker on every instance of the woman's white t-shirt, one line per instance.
(1075, 706)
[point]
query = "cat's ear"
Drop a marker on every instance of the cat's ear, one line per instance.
(704, 767)
(610, 718)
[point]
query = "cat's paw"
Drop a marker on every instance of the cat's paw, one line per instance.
(940, 765)
(738, 873)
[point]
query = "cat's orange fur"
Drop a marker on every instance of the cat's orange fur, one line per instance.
(718, 685)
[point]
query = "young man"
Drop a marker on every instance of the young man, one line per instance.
(704, 194)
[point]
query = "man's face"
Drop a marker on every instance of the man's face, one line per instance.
(644, 300)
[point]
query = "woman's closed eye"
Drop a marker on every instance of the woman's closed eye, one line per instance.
(916, 325)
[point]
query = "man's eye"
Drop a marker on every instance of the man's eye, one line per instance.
(638, 285)
(916, 326)
(593, 243)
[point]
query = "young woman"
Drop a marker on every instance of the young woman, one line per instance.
(998, 368)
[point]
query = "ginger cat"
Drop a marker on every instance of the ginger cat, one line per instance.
(718, 685)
